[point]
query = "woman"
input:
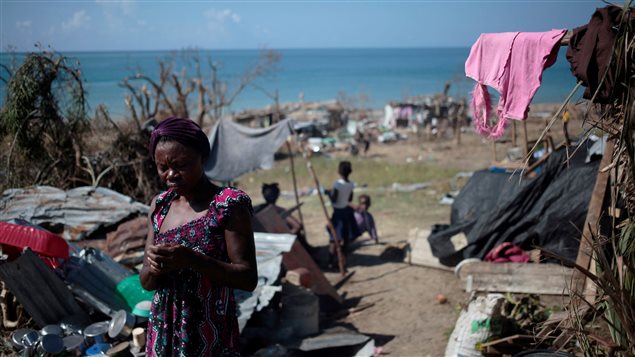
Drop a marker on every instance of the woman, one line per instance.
(200, 246)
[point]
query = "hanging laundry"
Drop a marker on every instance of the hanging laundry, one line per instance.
(512, 63)
(590, 50)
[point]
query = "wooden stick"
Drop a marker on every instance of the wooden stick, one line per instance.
(494, 150)
(295, 185)
(288, 212)
(329, 225)
(545, 142)
(525, 139)
(513, 133)
(565, 130)
(552, 146)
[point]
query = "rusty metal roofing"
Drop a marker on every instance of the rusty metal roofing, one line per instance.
(82, 210)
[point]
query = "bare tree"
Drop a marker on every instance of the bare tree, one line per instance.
(170, 93)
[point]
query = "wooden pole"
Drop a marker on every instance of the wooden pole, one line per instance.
(546, 139)
(329, 225)
(525, 140)
(494, 150)
(513, 133)
(458, 125)
(295, 184)
(581, 284)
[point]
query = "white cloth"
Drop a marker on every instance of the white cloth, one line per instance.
(344, 190)
(389, 116)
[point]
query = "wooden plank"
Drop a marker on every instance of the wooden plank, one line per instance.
(549, 279)
(299, 257)
(271, 221)
(580, 283)
(420, 252)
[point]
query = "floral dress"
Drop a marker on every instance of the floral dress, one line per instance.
(191, 315)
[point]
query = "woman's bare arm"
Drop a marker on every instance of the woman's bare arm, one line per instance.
(150, 272)
(240, 272)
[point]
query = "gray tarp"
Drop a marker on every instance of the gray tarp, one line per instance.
(236, 149)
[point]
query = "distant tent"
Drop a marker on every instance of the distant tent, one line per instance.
(236, 149)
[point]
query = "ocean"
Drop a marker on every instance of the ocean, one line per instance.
(370, 77)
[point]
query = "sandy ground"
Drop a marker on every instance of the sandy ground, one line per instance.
(405, 318)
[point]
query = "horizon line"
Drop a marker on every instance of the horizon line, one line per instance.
(240, 49)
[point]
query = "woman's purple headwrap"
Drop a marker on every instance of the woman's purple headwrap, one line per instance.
(184, 131)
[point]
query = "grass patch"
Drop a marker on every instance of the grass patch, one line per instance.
(371, 173)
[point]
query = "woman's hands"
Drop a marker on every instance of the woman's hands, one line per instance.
(168, 257)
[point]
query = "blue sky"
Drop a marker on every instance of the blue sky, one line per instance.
(151, 25)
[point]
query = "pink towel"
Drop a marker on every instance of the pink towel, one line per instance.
(507, 252)
(512, 63)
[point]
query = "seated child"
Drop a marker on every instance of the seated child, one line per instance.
(271, 193)
(365, 220)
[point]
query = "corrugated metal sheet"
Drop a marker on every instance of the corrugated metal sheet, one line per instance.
(94, 277)
(81, 210)
(42, 293)
(126, 244)
(269, 249)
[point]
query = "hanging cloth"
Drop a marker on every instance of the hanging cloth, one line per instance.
(590, 51)
(512, 63)
(237, 149)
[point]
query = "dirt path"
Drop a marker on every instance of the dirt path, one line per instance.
(404, 316)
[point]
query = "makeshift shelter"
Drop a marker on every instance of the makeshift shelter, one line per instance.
(236, 150)
(547, 211)
(81, 211)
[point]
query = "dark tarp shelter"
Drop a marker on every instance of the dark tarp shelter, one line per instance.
(547, 211)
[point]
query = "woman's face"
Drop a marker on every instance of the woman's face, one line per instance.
(178, 165)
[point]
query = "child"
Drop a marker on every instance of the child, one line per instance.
(365, 220)
(343, 218)
(271, 193)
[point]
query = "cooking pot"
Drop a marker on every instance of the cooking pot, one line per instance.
(96, 333)
(16, 338)
(50, 345)
(121, 324)
(73, 345)
(52, 330)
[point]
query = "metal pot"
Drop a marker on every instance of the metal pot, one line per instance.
(73, 325)
(96, 333)
(73, 345)
(29, 341)
(16, 338)
(121, 324)
(52, 330)
(50, 345)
